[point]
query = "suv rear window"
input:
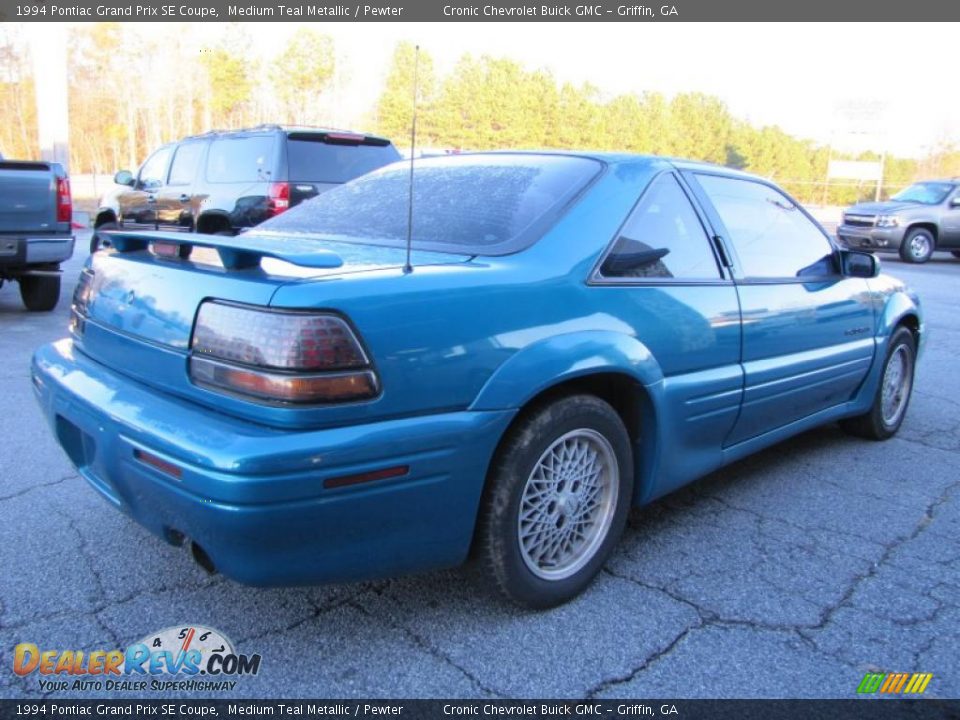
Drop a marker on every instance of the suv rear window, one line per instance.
(474, 204)
(241, 159)
(311, 158)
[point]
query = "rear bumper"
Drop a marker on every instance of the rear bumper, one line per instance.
(857, 237)
(24, 251)
(253, 497)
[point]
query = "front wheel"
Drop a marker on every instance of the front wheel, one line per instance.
(893, 395)
(556, 501)
(917, 246)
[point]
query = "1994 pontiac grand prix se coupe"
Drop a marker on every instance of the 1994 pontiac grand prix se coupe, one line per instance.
(575, 334)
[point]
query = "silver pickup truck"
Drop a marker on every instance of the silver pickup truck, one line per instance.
(36, 232)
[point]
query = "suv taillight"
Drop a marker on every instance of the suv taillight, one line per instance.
(278, 199)
(64, 201)
(279, 355)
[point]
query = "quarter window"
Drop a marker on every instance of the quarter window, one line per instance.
(772, 236)
(662, 238)
(185, 163)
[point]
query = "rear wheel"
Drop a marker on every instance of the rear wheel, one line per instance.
(97, 242)
(955, 253)
(917, 246)
(40, 293)
(893, 395)
(557, 501)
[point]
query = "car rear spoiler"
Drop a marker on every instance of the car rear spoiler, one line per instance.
(237, 252)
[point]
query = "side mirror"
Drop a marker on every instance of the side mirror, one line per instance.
(859, 264)
(955, 202)
(124, 177)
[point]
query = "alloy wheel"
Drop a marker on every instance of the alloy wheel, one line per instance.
(568, 504)
(897, 380)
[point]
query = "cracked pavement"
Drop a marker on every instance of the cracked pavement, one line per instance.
(789, 574)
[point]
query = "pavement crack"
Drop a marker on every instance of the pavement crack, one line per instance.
(889, 549)
(317, 610)
(706, 616)
(30, 489)
(650, 660)
(424, 645)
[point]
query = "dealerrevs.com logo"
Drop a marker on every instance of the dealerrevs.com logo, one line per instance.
(179, 658)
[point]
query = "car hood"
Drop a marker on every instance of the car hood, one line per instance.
(890, 207)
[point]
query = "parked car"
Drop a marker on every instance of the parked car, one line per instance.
(36, 234)
(915, 222)
(573, 335)
(226, 182)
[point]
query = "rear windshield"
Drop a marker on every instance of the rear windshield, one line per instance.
(241, 159)
(473, 204)
(311, 159)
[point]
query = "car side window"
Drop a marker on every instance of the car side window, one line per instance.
(662, 238)
(185, 162)
(241, 159)
(772, 236)
(154, 170)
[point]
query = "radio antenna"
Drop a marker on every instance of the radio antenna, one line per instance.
(408, 268)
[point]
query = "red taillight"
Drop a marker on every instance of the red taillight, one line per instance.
(279, 355)
(64, 201)
(344, 138)
(278, 199)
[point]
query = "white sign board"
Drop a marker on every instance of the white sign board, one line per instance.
(854, 170)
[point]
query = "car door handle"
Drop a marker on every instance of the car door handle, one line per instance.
(722, 251)
(184, 198)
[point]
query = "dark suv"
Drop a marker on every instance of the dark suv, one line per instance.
(225, 182)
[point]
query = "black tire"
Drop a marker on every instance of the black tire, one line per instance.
(97, 242)
(40, 293)
(874, 425)
(955, 253)
(562, 424)
(917, 246)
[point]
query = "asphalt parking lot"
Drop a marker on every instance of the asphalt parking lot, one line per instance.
(790, 574)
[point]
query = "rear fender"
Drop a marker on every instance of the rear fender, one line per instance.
(556, 360)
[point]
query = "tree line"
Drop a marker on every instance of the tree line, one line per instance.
(131, 90)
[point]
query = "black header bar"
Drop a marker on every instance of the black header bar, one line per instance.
(852, 11)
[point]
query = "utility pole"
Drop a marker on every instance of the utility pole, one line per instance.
(48, 52)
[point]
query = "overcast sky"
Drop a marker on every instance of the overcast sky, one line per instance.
(822, 81)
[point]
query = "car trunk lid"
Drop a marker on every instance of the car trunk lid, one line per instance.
(150, 285)
(136, 308)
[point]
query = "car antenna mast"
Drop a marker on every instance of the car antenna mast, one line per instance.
(408, 268)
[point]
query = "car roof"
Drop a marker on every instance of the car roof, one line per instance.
(621, 158)
(288, 129)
